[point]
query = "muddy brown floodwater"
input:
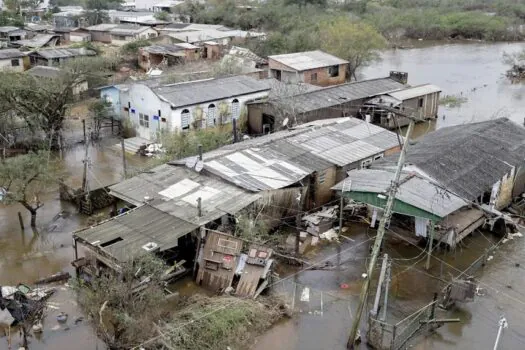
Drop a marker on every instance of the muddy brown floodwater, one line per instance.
(473, 70)
(26, 257)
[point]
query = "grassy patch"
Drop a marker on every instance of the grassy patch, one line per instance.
(452, 100)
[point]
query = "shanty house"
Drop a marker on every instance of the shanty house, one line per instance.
(46, 72)
(100, 32)
(482, 163)
(12, 59)
(191, 105)
(38, 41)
(313, 156)
(125, 33)
(10, 34)
(171, 204)
(312, 67)
(420, 101)
(57, 56)
(301, 104)
(165, 55)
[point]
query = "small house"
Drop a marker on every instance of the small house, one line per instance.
(11, 34)
(126, 33)
(12, 59)
(191, 105)
(420, 101)
(312, 67)
(38, 41)
(100, 32)
(45, 72)
(166, 55)
(57, 56)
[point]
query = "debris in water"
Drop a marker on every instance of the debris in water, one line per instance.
(344, 286)
(62, 317)
(38, 328)
(490, 257)
(305, 295)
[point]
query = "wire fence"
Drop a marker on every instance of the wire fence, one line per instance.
(383, 335)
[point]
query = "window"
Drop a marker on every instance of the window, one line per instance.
(144, 120)
(333, 71)
(235, 109)
(322, 177)
(420, 103)
(55, 61)
(379, 156)
(366, 163)
(313, 77)
(185, 119)
(276, 74)
(212, 110)
(15, 63)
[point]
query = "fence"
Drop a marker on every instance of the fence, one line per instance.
(382, 335)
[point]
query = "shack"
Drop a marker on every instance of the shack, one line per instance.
(166, 55)
(57, 56)
(420, 101)
(302, 105)
(312, 67)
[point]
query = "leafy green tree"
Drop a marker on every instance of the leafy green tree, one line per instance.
(43, 103)
(356, 42)
(23, 179)
(162, 16)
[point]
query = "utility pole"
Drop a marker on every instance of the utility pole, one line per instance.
(502, 324)
(123, 148)
(430, 241)
(375, 309)
(387, 288)
(86, 160)
(380, 234)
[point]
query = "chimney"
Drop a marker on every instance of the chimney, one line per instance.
(400, 77)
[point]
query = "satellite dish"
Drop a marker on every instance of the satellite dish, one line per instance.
(191, 162)
(285, 122)
(199, 166)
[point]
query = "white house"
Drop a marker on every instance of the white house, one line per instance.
(191, 105)
(12, 59)
(125, 33)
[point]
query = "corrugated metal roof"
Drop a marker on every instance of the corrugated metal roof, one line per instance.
(415, 91)
(336, 95)
(175, 189)
(197, 36)
(191, 93)
(301, 61)
(104, 27)
(11, 53)
(281, 159)
(65, 52)
(124, 236)
(128, 29)
(38, 40)
(44, 71)
(468, 159)
(7, 29)
(414, 190)
(168, 49)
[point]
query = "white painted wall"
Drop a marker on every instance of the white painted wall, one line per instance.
(143, 100)
(6, 65)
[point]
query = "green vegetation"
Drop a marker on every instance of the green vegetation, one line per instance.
(198, 327)
(133, 47)
(452, 100)
(184, 144)
(23, 180)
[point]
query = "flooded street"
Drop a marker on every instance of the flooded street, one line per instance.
(473, 70)
(26, 257)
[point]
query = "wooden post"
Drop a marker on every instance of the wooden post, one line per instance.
(86, 155)
(199, 206)
(21, 220)
(76, 249)
(234, 126)
(297, 233)
(387, 288)
(123, 157)
(200, 151)
(84, 128)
